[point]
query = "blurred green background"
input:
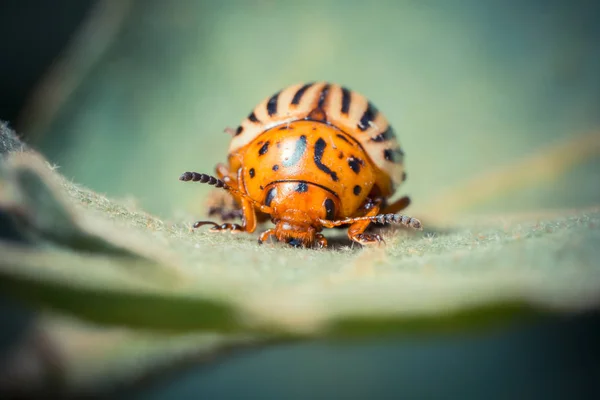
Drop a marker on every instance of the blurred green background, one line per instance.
(145, 90)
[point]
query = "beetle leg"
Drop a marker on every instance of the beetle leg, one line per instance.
(233, 228)
(266, 235)
(248, 221)
(321, 240)
(224, 205)
(396, 206)
(356, 231)
(249, 216)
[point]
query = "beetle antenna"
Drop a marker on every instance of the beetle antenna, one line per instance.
(218, 183)
(382, 219)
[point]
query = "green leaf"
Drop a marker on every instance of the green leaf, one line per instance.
(177, 280)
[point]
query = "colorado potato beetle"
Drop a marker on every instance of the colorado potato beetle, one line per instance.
(312, 156)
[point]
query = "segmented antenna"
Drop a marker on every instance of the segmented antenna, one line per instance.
(381, 219)
(203, 178)
(218, 183)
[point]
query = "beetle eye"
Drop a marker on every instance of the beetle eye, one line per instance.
(294, 242)
(329, 209)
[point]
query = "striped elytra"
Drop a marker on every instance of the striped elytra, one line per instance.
(335, 105)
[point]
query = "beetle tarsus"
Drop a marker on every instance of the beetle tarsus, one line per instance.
(369, 239)
(266, 235)
(321, 241)
(233, 228)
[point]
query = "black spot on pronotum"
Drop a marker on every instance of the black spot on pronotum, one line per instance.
(354, 164)
(346, 97)
(302, 187)
(272, 105)
(357, 189)
(252, 117)
(298, 152)
(368, 116)
(298, 95)
(319, 150)
(329, 209)
(270, 196)
(342, 137)
(264, 148)
(323, 96)
(275, 167)
(251, 172)
(239, 130)
(393, 155)
(385, 135)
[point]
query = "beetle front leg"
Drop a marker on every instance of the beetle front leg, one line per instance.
(321, 241)
(248, 221)
(222, 204)
(356, 231)
(266, 235)
(248, 204)
(396, 206)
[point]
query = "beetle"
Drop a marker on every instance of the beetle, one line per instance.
(312, 156)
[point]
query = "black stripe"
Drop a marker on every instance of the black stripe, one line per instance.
(393, 155)
(323, 96)
(319, 150)
(298, 152)
(300, 93)
(272, 104)
(385, 135)
(252, 117)
(307, 182)
(368, 116)
(346, 96)
(329, 209)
